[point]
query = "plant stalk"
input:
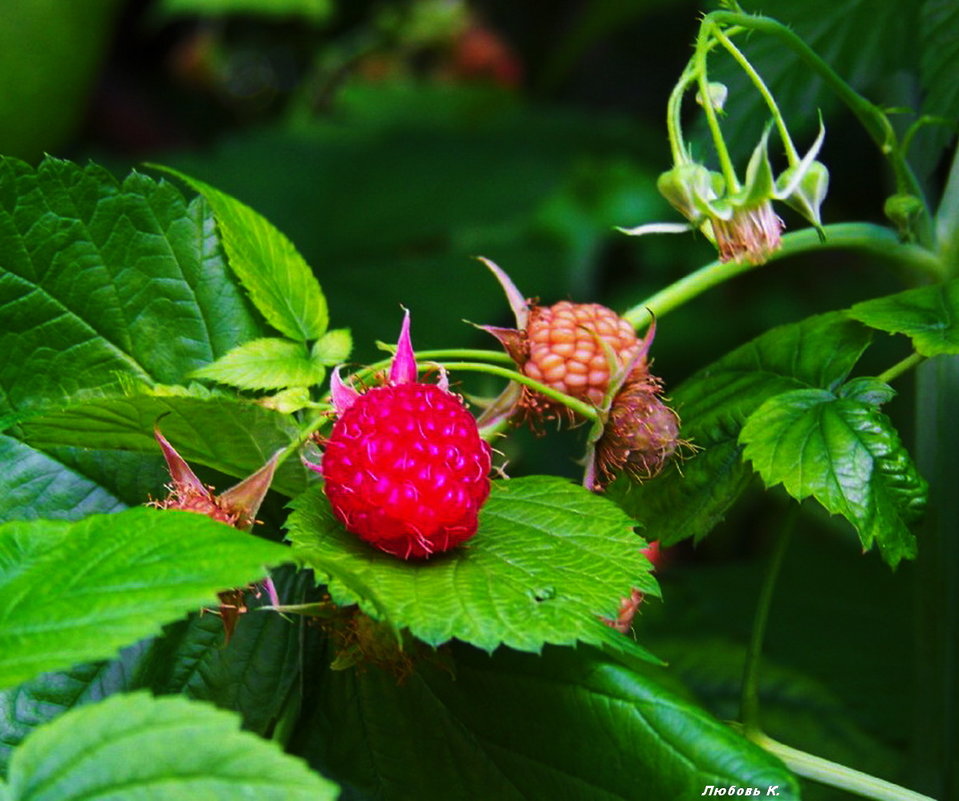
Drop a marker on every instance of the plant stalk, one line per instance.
(835, 775)
(749, 701)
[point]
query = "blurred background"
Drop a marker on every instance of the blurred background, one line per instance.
(395, 141)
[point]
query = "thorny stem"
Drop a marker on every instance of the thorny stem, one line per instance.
(834, 774)
(791, 154)
(862, 236)
(749, 701)
(901, 367)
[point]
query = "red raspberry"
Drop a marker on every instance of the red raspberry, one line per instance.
(406, 470)
(565, 351)
(405, 467)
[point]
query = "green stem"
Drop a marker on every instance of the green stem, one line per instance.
(834, 774)
(872, 118)
(315, 423)
(763, 90)
(704, 44)
(580, 407)
(674, 128)
(870, 238)
(749, 701)
(901, 367)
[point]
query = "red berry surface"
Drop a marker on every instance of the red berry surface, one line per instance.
(406, 470)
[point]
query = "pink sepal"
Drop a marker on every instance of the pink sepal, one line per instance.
(341, 393)
(403, 368)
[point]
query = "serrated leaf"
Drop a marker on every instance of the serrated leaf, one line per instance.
(72, 592)
(165, 748)
(847, 455)
(928, 315)
(688, 500)
(280, 283)
(568, 724)
(334, 347)
(267, 363)
(548, 561)
(229, 434)
(101, 278)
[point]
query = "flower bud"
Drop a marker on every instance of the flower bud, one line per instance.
(689, 188)
(808, 194)
(718, 92)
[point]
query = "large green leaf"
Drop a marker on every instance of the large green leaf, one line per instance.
(713, 404)
(251, 675)
(548, 561)
(33, 483)
(71, 592)
(279, 281)
(569, 724)
(230, 434)
(845, 453)
(156, 749)
(100, 277)
(929, 315)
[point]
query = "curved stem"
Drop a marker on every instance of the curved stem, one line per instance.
(704, 44)
(791, 153)
(749, 701)
(867, 237)
(901, 367)
(872, 118)
(580, 407)
(674, 128)
(834, 774)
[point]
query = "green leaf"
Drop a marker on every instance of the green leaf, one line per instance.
(939, 57)
(846, 454)
(313, 10)
(570, 724)
(229, 434)
(928, 315)
(264, 364)
(157, 749)
(33, 483)
(102, 278)
(280, 282)
(548, 561)
(334, 347)
(251, 675)
(713, 404)
(72, 592)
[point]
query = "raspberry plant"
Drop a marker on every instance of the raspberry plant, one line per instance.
(241, 553)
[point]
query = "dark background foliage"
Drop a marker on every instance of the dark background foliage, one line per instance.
(395, 141)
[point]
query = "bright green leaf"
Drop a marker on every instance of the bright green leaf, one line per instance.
(267, 363)
(928, 315)
(71, 592)
(160, 749)
(102, 278)
(334, 347)
(229, 434)
(687, 501)
(280, 282)
(847, 455)
(549, 560)
(568, 724)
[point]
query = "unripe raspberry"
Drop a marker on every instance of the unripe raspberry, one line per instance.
(565, 349)
(404, 467)
(406, 470)
(641, 434)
